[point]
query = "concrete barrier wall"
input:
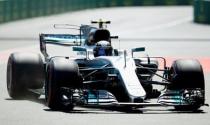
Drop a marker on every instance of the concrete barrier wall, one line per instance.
(202, 11)
(20, 9)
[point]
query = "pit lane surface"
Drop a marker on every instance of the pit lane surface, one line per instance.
(164, 31)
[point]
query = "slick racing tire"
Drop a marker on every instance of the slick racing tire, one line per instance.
(61, 73)
(24, 71)
(187, 74)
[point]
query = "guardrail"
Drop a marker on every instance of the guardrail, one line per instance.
(202, 11)
(20, 9)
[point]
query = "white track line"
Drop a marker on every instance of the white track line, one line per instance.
(167, 25)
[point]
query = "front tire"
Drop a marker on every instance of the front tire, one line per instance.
(62, 73)
(188, 74)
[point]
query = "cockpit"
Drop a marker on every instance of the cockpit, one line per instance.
(100, 39)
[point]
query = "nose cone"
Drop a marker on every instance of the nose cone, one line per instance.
(129, 77)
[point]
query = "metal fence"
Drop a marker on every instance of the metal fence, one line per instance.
(20, 9)
(202, 11)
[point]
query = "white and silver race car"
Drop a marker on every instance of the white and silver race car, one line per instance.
(102, 76)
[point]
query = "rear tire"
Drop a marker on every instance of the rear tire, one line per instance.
(62, 73)
(24, 71)
(187, 74)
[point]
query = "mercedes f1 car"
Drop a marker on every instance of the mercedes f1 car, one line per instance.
(101, 75)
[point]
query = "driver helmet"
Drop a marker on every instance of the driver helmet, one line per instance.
(103, 48)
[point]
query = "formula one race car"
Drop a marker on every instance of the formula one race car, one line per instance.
(101, 75)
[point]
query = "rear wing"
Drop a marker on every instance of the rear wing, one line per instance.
(59, 39)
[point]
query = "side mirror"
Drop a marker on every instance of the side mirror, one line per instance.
(139, 49)
(79, 49)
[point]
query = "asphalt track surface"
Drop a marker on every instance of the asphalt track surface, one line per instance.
(164, 31)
